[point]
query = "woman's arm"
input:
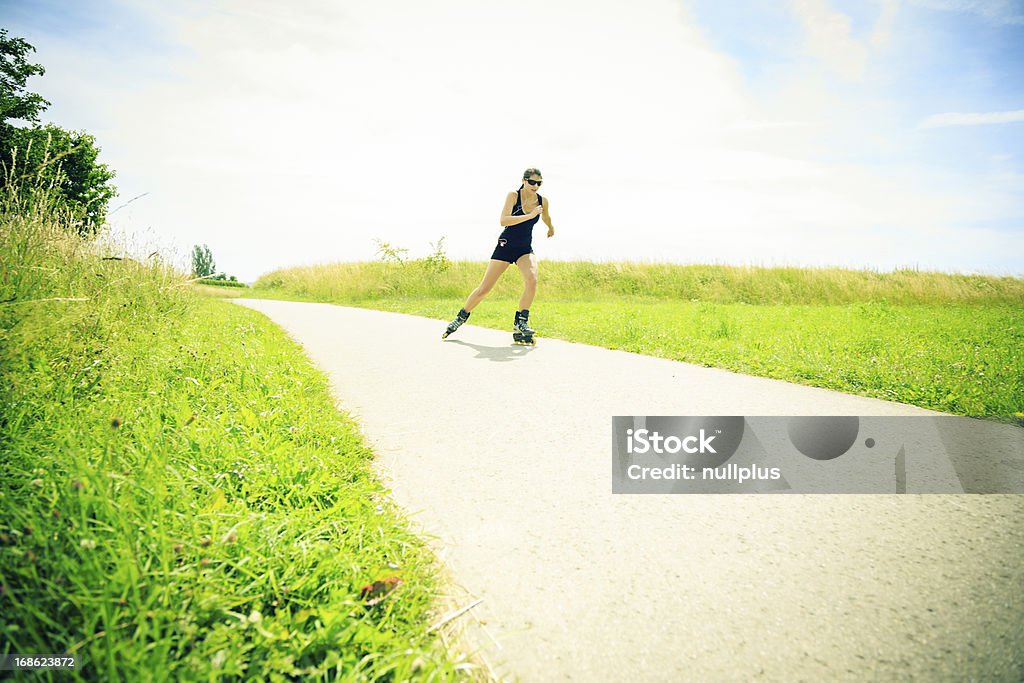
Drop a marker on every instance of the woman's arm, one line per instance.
(508, 219)
(546, 217)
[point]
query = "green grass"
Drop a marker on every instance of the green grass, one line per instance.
(953, 343)
(180, 497)
(585, 281)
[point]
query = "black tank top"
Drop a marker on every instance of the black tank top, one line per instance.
(522, 230)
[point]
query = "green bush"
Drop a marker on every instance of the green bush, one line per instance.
(221, 283)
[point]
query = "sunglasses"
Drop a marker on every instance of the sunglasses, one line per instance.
(533, 182)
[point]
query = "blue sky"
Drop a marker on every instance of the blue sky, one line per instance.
(807, 132)
(939, 61)
(130, 45)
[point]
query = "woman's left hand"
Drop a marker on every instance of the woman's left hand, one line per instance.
(551, 232)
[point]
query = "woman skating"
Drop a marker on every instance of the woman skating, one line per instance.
(523, 208)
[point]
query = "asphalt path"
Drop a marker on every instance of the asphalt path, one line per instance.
(502, 454)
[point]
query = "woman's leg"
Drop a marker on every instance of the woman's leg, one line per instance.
(494, 270)
(527, 265)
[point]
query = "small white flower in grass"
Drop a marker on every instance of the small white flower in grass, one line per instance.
(87, 543)
(255, 617)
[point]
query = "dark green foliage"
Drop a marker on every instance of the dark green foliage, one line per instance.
(202, 261)
(221, 282)
(15, 101)
(47, 156)
(67, 161)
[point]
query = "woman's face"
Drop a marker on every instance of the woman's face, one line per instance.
(528, 183)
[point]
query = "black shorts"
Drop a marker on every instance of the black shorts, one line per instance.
(510, 251)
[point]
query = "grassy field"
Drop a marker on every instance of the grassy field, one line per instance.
(180, 497)
(585, 281)
(953, 343)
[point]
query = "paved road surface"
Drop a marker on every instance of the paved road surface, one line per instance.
(503, 453)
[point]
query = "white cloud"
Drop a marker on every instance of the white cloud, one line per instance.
(828, 38)
(881, 34)
(770, 125)
(975, 119)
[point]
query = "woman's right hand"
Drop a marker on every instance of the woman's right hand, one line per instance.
(536, 211)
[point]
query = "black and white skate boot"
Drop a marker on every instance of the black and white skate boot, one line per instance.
(462, 317)
(522, 333)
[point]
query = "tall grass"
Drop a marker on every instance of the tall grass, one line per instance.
(569, 280)
(179, 497)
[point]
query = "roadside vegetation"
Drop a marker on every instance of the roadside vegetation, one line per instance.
(220, 282)
(947, 342)
(179, 492)
(180, 498)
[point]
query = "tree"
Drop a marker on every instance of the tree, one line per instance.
(47, 156)
(202, 261)
(67, 161)
(15, 101)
